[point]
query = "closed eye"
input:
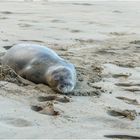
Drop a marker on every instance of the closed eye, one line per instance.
(56, 78)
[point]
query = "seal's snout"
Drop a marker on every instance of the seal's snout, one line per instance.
(65, 88)
(61, 86)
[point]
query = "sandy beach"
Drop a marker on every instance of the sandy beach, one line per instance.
(102, 40)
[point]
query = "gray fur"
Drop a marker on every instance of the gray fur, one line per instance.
(40, 64)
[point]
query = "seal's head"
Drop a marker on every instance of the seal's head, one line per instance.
(61, 78)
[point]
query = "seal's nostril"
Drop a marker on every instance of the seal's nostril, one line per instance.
(62, 86)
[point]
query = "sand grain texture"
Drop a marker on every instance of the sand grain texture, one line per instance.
(102, 39)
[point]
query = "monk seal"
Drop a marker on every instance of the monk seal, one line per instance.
(41, 64)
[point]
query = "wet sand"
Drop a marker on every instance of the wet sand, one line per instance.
(102, 39)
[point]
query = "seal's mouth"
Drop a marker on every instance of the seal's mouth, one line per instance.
(65, 88)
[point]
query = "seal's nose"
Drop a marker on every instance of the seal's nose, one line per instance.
(62, 86)
(65, 88)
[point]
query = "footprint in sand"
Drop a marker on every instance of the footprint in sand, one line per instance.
(63, 99)
(118, 33)
(129, 114)
(17, 122)
(3, 18)
(117, 11)
(135, 42)
(46, 106)
(129, 86)
(121, 75)
(57, 21)
(6, 12)
(128, 100)
(75, 31)
(8, 47)
(121, 137)
(126, 78)
(24, 25)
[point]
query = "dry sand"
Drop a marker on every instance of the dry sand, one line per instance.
(102, 39)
